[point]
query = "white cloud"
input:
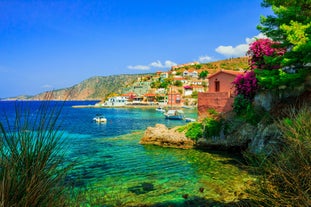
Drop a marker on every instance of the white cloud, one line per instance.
(138, 67)
(253, 39)
(169, 63)
(239, 50)
(155, 64)
(204, 59)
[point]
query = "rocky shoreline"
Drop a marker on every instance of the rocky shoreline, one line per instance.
(247, 138)
(160, 135)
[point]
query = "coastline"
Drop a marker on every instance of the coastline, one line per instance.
(125, 106)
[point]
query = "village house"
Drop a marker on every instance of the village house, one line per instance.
(220, 95)
(181, 79)
(150, 97)
(185, 73)
(164, 75)
(116, 101)
(174, 97)
(196, 82)
(198, 89)
(190, 73)
(188, 90)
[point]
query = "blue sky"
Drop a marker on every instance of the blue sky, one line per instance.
(47, 44)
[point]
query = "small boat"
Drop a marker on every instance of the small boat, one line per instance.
(160, 109)
(190, 120)
(174, 114)
(99, 119)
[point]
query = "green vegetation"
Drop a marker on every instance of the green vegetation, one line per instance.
(178, 83)
(211, 127)
(285, 175)
(161, 83)
(203, 74)
(277, 79)
(198, 66)
(241, 105)
(291, 27)
(32, 165)
(193, 130)
(194, 94)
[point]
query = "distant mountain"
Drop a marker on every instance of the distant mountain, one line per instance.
(98, 87)
(95, 88)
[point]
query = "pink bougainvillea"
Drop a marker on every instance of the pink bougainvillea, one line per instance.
(246, 85)
(262, 48)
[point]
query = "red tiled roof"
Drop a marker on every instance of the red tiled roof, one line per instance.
(150, 94)
(230, 72)
(129, 94)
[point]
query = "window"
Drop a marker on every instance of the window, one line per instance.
(217, 85)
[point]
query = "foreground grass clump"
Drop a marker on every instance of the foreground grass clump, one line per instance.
(286, 174)
(32, 169)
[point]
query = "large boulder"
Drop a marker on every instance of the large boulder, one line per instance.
(162, 136)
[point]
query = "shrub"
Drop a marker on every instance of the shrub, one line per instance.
(32, 169)
(265, 54)
(193, 130)
(241, 105)
(194, 94)
(286, 174)
(246, 85)
(198, 66)
(211, 127)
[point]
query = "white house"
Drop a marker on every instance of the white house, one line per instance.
(164, 75)
(188, 90)
(116, 101)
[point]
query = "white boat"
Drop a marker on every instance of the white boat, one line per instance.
(99, 119)
(174, 114)
(190, 120)
(160, 109)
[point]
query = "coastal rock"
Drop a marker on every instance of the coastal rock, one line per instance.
(162, 136)
(266, 139)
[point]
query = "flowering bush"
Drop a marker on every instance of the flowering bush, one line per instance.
(264, 54)
(246, 85)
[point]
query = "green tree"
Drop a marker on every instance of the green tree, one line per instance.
(292, 28)
(178, 83)
(203, 74)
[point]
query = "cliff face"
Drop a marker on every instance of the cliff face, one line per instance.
(95, 88)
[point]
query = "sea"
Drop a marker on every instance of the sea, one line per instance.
(111, 168)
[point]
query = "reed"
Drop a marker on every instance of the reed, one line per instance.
(32, 164)
(286, 175)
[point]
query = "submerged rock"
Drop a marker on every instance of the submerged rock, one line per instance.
(162, 136)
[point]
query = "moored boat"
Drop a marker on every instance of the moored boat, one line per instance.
(174, 114)
(190, 120)
(160, 109)
(100, 119)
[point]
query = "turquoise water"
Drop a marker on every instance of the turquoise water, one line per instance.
(113, 168)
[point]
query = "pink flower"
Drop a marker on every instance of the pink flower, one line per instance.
(246, 84)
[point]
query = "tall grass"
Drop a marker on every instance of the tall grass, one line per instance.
(32, 169)
(286, 175)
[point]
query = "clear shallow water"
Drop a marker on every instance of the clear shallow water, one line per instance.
(113, 166)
